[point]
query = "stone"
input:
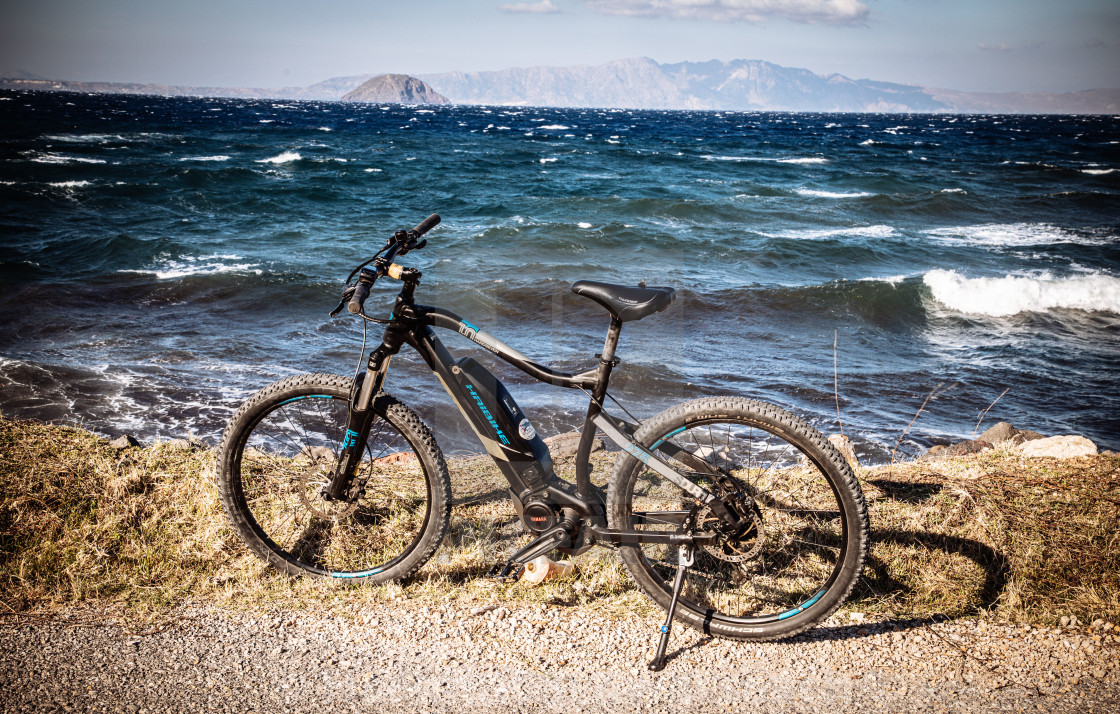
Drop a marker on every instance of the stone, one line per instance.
(964, 448)
(1029, 435)
(178, 444)
(1059, 447)
(844, 445)
(999, 433)
(564, 446)
(935, 452)
(124, 441)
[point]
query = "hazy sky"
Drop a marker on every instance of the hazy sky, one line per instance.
(980, 45)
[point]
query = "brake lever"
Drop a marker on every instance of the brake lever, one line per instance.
(346, 295)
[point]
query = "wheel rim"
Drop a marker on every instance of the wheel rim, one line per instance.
(772, 573)
(287, 457)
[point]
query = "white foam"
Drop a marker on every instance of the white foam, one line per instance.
(555, 127)
(549, 161)
(49, 158)
(768, 159)
(878, 231)
(1012, 234)
(284, 158)
(1099, 172)
(1011, 295)
(373, 171)
(831, 194)
(953, 190)
(200, 265)
(869, 142)
(69, 184)
(216, 157)
(583, 225)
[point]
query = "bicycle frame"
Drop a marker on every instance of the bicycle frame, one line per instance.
(532, 483)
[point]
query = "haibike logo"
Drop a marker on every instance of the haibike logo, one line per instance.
(486, 413)
(468, 330)
(351, 436)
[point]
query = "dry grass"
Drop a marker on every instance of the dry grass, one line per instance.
(142, 529)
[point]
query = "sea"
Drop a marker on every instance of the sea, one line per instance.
(904, 279)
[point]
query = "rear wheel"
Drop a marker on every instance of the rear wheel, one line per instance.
(281, 448)
(805, 539)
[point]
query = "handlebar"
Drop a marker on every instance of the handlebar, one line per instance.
(426, 225)
(400, 243)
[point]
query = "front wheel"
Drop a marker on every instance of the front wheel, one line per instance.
(280, 450)
(806, 538)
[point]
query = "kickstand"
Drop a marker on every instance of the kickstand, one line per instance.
(684, 560)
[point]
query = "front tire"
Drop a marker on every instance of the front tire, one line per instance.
(798, 562)
(281, 447)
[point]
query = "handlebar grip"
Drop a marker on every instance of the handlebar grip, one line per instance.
(426, 225)
(361, 292)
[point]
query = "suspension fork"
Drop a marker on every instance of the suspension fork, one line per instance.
(361, 417)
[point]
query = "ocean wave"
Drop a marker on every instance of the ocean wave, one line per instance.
(283, 158)
(769, 159)
(216, 157)
(1011, 295)
(1014, 235)
(1099, 172)
(69, 184)
(50, 158)
(814, 193)
(555, 127)
(205, 265)
(877, 231)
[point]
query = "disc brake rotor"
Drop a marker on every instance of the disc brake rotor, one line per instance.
(732, 550)
(314, 476)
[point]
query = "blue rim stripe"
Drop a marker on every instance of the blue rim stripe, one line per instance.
(309, 396)
(362, 574)
(805, 606)
(667, 436)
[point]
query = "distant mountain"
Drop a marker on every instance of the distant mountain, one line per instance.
(395, 89)
(641, 83)
(645, 84)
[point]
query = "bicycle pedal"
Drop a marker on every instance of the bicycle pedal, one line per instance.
(503, 572)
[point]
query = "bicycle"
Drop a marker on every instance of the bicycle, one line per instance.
(332, 476)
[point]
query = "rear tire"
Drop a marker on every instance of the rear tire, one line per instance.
(802, 558)
(280, 448)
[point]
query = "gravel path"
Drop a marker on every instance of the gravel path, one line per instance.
(538, 659)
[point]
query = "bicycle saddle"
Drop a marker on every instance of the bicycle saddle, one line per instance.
(625, 302)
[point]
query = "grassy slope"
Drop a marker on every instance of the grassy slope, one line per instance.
(1027, 540)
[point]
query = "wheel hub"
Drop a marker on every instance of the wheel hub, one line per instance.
(732, 548)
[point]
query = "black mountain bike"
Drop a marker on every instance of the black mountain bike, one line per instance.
(734, 515)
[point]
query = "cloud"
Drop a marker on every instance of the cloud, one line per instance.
(1004, 47)
(831, 12)
(542, 7)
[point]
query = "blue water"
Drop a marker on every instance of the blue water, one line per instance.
(164, 257)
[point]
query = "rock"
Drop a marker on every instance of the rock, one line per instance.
(124, 441)
(844, 445)
(178, 444)
(564, 446)
(999, 433)
(967, 447)
(935, 452)
(1059, 447)
(1029, 435)
(395, 89)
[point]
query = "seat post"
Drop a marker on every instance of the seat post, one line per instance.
(606, 360)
